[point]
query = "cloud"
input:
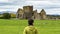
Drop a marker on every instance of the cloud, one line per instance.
(9, 8)
(3, 0)
(50, 6)
(53, 11)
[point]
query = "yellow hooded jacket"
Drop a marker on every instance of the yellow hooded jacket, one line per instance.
(30, 30)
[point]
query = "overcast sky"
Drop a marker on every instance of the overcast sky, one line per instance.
(50, 6)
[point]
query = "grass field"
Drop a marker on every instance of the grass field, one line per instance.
(17, 26)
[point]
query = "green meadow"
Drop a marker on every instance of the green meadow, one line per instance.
(16, 26)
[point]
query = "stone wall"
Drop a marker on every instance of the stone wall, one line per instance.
(20, 13)
(28, 10)
(36, 15)
(43, 14)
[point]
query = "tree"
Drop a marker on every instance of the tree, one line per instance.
(6, 16)
(13, 15)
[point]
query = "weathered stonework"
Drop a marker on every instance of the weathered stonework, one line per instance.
(36, 15)
(43, 14)
(20, 13)
(27, 12)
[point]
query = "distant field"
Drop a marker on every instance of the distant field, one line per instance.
(17, 26)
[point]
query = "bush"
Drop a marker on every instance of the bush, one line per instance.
(6, 16)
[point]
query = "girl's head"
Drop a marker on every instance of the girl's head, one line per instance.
(30, 22)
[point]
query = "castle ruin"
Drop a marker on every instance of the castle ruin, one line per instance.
(27, 12)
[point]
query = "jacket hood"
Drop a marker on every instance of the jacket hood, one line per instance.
(31, 28)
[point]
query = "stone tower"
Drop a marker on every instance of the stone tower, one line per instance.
(28, 12)
(20, 13)
(43, 14)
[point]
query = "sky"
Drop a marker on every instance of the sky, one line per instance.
(50, 6)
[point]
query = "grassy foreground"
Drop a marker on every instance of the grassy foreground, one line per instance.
(17, 26)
